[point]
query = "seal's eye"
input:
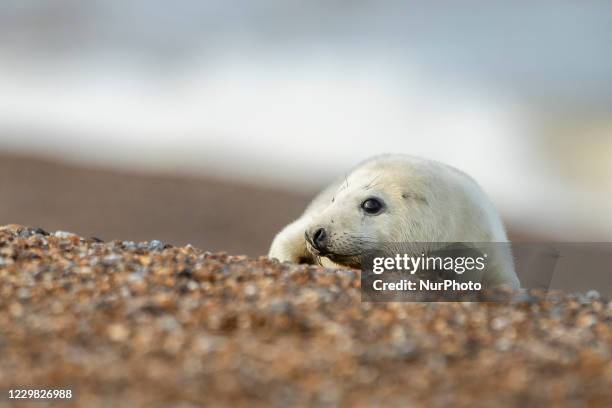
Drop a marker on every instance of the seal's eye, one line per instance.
(372, 206)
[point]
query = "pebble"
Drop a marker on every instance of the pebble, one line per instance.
(40, 231)
(592, 294)
(135, 277)
(499, 323)
(112, 259)
(63, 234)
(118, 332)
(23, 294)
(250, 290)
(129, 245)
(156, 245)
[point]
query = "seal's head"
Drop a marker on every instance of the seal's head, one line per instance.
(369, 210)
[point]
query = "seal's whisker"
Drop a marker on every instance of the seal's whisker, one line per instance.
(371, 183)
(364, 239)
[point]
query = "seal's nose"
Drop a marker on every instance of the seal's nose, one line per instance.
(319, 239)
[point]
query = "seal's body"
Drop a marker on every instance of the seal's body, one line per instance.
(395, 199)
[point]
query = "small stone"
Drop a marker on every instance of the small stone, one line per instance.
(503, 344)
(40, 231)
(168, 323)
(135, 277)
(250, 290)
(280, 307)
(15, 309)
(118, 332)
(156, 245)
(592, 294)
(84, 270)
(125, 292)
(57, 307)
(186, 273)
(112, 259)
(25, 233)
(583, 299)
(64, 234)
(129, 245)
(23, 294)
(586, 320)
(499, 323)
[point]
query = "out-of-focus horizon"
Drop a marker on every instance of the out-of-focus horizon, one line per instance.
(293, 94)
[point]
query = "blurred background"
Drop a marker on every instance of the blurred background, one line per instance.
(214, 123)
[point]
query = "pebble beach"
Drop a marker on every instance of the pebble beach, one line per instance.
(131, 324)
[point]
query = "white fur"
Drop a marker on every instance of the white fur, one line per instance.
(426, 201)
